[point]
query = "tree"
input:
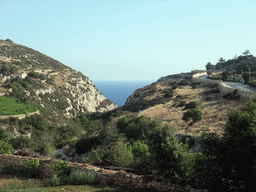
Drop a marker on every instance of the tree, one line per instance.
(246, 52)
(209, 66)
(221, 60)
(163, 145)
(230, 160)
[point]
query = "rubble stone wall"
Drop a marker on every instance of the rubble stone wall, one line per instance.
(21, 116)
(105, 176)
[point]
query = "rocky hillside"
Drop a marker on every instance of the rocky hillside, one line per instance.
(167, 97)
(161, 91)
(56, 88)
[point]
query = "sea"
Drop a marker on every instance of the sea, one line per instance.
(119, 91)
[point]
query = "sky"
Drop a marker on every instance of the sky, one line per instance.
(131, 39)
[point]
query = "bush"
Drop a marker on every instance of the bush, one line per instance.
(193, 105)
(181, 103)
(4, 135)
(85, 145)
(98, 157)
(36, 121)
(63, 168)
(50, 81)
(121, 155)
(183, 82)
(195, 84)
(140, 151)
(164, 148)
(30, 169)
(47, 149)
(5, 147)
(136, 128)
(194, 114)
(21, 142)
(118, 154)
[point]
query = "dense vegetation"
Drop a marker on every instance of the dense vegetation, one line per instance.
(226, 163)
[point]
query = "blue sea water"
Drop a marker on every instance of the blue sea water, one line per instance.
(119, 91)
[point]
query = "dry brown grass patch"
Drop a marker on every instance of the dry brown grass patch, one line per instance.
(215, 111)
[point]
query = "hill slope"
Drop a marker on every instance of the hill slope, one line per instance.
(56, 88)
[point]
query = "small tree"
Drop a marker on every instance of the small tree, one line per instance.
(221, 60)
(246, 52)
(209, 66)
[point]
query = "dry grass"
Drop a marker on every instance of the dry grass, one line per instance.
(215, 111)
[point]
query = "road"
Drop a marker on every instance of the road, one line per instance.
(234, 85)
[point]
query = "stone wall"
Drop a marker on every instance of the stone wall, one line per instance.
(224, 89)
(105, 176)
(21, 116)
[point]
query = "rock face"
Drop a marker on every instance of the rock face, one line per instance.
(57, 88)
(75, 93)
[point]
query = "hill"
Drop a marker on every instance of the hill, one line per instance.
(57, 89)
(36, 81)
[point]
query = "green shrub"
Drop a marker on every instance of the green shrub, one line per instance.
(140, 151)
(29, 169)
(167, 92)
(181, 103)
(5, 147)
(117, 154)
(98, 157)
(194, 114)
(21, 142)
(121, 155)
(183, 82)
(36, 121)
(63, 168)
(136, 128)
(47, 149)
(85, 145)
(50, 81)
(193, 105)
(162, 143)
(4, 135)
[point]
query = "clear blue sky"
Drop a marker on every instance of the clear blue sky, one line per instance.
(132, 39)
